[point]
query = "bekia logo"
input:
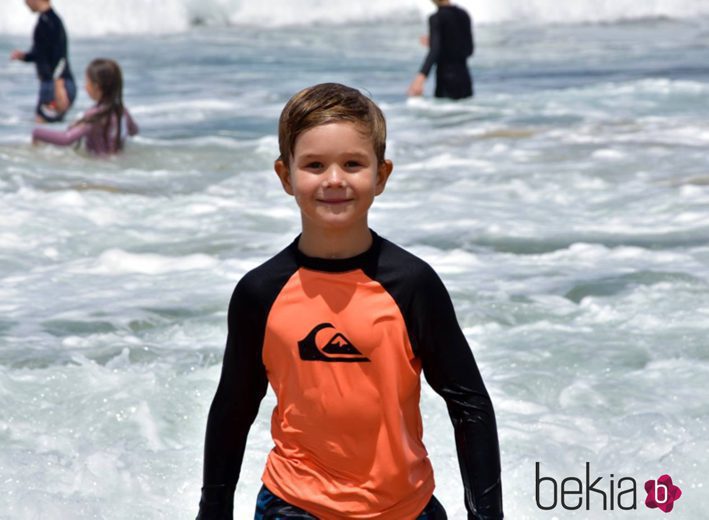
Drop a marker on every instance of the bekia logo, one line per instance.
(662, 493)
(601, 493)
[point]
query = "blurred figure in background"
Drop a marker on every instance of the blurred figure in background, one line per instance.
(57, 89)
(450, 43)
(105, 126)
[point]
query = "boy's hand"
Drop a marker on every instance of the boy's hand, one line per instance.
(424, 40)
(416, 87)
(17, 55)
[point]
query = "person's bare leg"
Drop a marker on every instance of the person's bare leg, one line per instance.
(61, 98)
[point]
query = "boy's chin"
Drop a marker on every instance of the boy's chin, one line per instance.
(337, 221)
(335, 212)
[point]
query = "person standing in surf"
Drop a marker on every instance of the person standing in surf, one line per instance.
(49, 53)
(342, 323)
(450, 42)
(103, 127)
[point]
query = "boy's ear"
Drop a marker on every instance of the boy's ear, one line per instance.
(284, 175)
(383, 172)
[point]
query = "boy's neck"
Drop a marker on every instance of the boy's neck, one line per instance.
(320, 243)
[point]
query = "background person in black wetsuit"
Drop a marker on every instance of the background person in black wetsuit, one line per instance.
(57, 89)
(450, 44)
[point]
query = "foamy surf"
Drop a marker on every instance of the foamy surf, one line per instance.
(86, 17)
(565, 208)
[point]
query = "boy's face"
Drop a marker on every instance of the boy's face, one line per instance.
(334, 176)
(35, 5)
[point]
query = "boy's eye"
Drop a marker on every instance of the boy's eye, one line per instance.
(352, 164)
(315, 165)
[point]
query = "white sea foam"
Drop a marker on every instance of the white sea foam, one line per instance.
(207, 105)
(565, 208)
(119, 261)
(88, 17)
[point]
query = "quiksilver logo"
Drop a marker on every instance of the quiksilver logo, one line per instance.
(337, 349)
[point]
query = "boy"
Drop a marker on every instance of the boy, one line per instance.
(450, 44)
(341, 323)
(57, 89)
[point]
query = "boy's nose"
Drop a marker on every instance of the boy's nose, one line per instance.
(335, 177)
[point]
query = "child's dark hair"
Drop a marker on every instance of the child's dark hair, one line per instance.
(107, 76)
(329, 103)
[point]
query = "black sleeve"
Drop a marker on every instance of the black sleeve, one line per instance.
(434, 44)
(241, 388)
(31, 55)
(450, 369)
(41, 51)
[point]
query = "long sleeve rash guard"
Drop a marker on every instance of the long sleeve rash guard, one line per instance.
(98, 139)
(450, 38)
(343, 343)
(49, 48)
(450, 44)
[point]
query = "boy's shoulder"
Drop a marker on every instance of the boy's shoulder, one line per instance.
(282, 264)
(411, 282)
(256, 291)
(403, 264)
(394, 251)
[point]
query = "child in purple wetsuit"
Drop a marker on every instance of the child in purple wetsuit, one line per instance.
(104, 126)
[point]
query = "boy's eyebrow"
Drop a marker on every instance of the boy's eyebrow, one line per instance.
(351, 153)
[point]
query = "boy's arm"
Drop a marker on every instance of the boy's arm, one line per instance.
(41, 51)
(434, 45)
(450, 369)
(241, 388)
(28, 57)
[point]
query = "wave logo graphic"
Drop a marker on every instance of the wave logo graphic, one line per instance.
(337, 349)
(662, 493)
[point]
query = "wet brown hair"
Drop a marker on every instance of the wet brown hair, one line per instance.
(107, 76)
(329, 103)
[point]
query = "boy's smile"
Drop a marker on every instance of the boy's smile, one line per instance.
(334, 176)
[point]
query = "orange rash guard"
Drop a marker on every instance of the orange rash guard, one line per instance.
(342, 343)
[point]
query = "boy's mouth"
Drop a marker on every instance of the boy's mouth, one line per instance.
(334, 201)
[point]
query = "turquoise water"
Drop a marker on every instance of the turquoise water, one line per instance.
(565, 208)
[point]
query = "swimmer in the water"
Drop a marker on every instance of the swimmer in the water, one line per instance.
(450, 43)
(57, 89)
(104, 126)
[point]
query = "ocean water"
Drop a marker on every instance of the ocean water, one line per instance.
(566, 208)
